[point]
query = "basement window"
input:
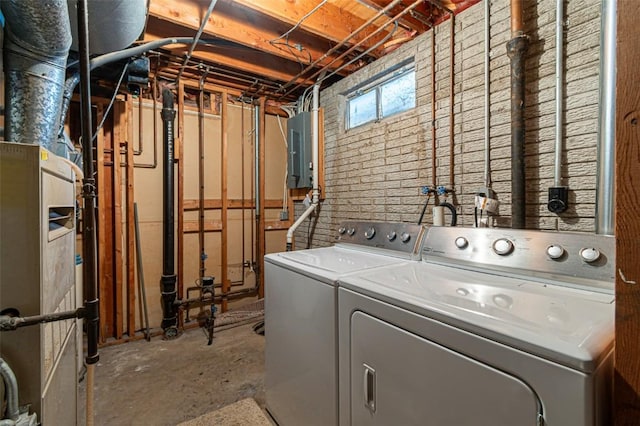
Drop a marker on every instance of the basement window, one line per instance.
(393, 93)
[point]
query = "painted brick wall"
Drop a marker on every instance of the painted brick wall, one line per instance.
(374, 172)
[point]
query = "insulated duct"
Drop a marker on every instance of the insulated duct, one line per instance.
(516, 50)
(169, 279)
(605, 186)
(37, 41)
(127, 16)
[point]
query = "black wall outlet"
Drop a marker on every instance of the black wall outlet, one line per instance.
(558, 199)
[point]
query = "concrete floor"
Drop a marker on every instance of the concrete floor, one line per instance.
(167, 382)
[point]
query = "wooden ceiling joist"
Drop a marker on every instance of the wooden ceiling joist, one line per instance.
(328, 21)
(241, 25)
(248, 60)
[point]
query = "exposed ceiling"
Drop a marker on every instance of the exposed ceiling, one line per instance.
(277, 48)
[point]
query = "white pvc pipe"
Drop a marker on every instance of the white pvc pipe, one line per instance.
(315, 142)
(487, 95)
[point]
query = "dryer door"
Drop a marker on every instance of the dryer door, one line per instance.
(399, 378)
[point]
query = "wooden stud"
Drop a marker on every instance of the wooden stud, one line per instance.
(131, 281)
(103, 287)
(627, 225)
(236, 204)
(192, 227)
(180, 230)
(224, 122)
(118, 133)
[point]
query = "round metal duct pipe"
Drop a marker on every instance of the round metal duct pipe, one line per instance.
(114, 24)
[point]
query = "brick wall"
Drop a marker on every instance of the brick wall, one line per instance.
(375, 171)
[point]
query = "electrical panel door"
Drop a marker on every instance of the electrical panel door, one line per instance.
(300, 170)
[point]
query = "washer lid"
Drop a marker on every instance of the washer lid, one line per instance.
(569, 326)
(332, 261)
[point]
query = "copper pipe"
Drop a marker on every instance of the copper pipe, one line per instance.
(452, 55)
(517, 20)
(140, 131)
(433, 108)
(154, 95)
(342, 43)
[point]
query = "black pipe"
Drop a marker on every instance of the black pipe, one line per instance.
(92, 317)
(516, 50)
(452, 210)
(169, 279)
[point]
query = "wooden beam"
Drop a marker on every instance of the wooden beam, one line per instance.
(224, 123)
(118, 138)
(260, 233)
(277, 225)
(243, 26)
(328, 21)
(248, 60)
(191, 226)
(181, 225)
(131, 280)
(235, 204)
(627, 223)
(103, 287)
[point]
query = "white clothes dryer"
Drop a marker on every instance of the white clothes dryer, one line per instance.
(301, 366)
(493, 328)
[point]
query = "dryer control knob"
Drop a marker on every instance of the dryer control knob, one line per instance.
(461, 242)
(369, 233)
(342, 230)
(391, 235)
(590, 254)
(555, 251)
(405, 237)
(502, 246)
(351, 231)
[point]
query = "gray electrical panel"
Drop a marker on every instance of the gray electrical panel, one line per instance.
(299, 156)
(37, 276)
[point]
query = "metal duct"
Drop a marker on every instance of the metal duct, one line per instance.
(37, 41)
(126, 16)
(169, 279)
(11, 386)
(516, 50)
(605, 187)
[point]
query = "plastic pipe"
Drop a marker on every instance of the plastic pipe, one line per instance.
(315, 142)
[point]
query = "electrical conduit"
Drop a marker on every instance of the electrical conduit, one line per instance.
(315, 142)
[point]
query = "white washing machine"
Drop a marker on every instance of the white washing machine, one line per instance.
(493, 328)
(301, 366)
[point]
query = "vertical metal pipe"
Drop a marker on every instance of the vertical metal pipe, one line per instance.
(487, 94)
(605, 186)
(169, 279)
(557, 174)
(452, 122)
(433, 109)
(88, 191)
(256, 138)
(516, 50)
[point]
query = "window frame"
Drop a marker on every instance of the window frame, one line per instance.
(375, 85)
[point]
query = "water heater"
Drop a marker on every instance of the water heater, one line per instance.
(37, 276)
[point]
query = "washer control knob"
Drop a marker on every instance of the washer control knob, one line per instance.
(351, 231)
(405, 237)
(342, 230)
(461, 242)
(554, 251)
(369, 233)
(502, 246)
(392, 235)
(590, 254)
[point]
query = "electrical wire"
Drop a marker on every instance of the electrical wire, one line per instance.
(113, 98)
(297, 25)
(285, 196)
